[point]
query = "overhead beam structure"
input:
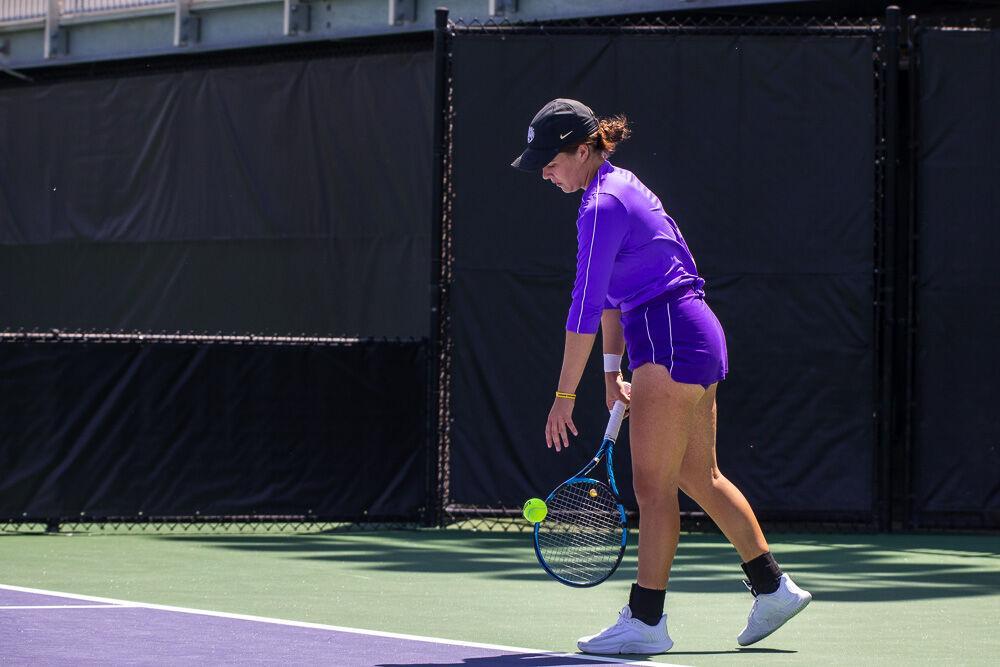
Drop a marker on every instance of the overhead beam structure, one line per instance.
(40, 33)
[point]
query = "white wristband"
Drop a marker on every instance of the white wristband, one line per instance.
(612, 363)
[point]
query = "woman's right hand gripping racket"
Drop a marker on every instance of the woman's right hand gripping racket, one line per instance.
(582, 539)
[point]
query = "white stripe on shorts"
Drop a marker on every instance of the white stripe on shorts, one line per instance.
(653, 347)
(670, 328)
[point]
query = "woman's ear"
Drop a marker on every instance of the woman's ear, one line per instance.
(583, 152)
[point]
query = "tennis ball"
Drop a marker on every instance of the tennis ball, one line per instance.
(535, 510)
(593, 493)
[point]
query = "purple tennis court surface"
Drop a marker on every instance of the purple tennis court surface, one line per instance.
(49, 628)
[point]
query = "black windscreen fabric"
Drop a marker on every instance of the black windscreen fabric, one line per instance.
(288, 197)
(178, 430)
(956, 434)
(761, 147)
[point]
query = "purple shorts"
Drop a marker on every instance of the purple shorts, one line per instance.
(679, 331)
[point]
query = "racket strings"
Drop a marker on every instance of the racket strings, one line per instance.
(581, 538)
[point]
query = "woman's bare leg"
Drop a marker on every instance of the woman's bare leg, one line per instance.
(662, 414)
(701, 479)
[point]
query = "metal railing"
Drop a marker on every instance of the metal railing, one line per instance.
(25, 10)
(57, 16)
(88, 6)
(21, 10)
(59, 12)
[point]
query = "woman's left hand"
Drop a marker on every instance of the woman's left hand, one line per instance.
(560, 418)
(616, 389)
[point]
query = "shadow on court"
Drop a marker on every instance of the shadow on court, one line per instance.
(836, 568)
(521, 660)
(544, 659)
(735, 651)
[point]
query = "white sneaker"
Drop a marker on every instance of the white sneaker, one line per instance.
(772, 610)
(628, 635)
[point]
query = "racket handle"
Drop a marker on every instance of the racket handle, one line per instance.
(615, 423)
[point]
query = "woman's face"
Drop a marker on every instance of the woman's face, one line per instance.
(569, 171)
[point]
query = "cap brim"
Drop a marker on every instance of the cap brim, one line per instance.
(533, 159)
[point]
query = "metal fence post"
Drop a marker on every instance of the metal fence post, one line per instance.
(889, 155)
(437, 398)
(903, 490)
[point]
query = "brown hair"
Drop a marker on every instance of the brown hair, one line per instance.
(610, 132)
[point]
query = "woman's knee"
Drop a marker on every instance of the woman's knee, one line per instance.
(692, 487)
(699, 483)
(651, 492)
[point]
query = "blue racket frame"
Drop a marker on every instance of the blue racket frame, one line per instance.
(606, 450)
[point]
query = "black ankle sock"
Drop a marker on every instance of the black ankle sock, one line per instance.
(763, 573)
(646, 604)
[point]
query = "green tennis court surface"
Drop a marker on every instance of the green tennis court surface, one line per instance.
(889, 599)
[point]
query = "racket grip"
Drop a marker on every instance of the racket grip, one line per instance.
(615, 423)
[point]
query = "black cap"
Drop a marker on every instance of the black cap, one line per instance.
(560, 123)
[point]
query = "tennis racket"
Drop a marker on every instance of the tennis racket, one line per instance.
(582, 539)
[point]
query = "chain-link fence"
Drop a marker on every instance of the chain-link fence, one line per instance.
(508, 517)
(443, 509)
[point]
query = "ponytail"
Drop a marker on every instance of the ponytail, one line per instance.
(610, 132)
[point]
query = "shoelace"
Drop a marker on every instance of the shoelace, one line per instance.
(753, 609)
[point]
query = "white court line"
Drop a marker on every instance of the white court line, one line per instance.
(4, 607)
(336, 628)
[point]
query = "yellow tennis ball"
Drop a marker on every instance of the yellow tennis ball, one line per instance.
(593, 493)
(535, 510)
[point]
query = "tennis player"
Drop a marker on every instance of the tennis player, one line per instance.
(637, 280)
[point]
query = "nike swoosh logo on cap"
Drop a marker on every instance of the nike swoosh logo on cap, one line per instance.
(563, 136)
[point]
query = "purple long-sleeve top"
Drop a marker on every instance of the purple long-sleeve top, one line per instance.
(629, 249)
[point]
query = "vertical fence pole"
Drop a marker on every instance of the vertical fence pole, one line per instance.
(903, 492)
(887, 421)
(435, 427)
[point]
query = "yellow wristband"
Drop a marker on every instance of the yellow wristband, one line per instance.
(562, 394)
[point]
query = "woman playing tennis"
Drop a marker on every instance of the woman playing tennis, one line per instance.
(637, 280)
